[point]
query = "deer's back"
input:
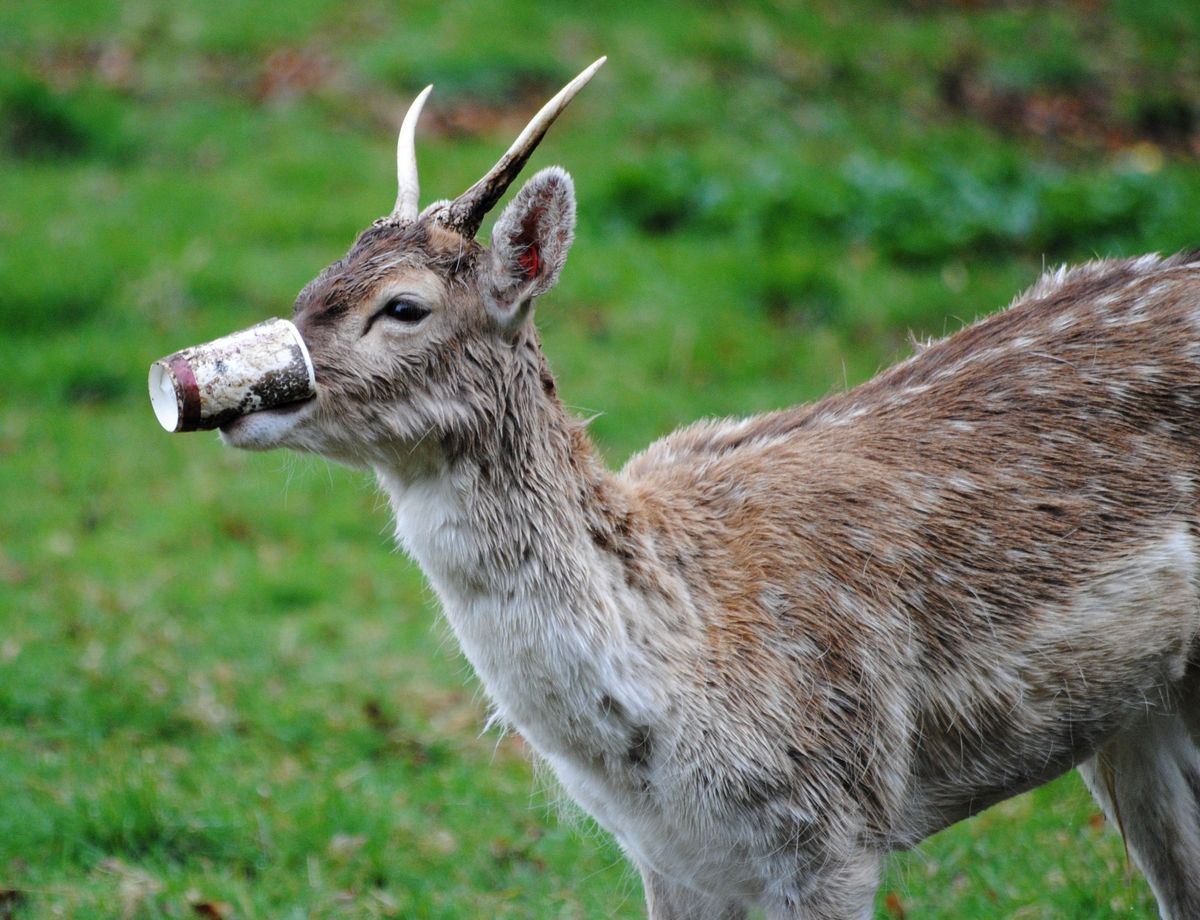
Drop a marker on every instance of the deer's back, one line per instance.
(942, 552)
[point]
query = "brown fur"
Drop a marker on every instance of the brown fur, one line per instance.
(770, 650)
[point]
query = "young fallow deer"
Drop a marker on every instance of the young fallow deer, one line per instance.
(771, 650)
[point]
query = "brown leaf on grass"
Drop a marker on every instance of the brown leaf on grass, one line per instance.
(65, 66)
(1080, 115)
(376, 717)
(115, 66)
(893, 905)
(289, 74)
(213, 910)
(236, 528)
(1084, 113)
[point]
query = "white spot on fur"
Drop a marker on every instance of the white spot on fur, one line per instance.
(1063, 322)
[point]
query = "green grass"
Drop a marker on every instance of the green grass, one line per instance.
(220, 688)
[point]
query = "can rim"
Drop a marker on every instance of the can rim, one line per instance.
(163, 396)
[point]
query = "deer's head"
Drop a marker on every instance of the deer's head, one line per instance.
(417, 332)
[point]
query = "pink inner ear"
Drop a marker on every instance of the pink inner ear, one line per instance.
(530, 261)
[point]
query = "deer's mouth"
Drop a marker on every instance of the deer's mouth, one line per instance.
(267, 428)
(287, 408)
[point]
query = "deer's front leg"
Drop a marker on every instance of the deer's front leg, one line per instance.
(666, 900)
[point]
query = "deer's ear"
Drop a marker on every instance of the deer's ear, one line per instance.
(530, 242)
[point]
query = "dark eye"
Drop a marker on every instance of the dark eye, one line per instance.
(404, 310)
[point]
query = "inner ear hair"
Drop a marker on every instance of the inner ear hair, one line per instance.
(533, 234)
(530, 261)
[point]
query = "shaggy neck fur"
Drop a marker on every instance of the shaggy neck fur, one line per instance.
(510, 525)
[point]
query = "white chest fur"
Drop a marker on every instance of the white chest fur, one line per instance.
(547, 639)
(541, 626)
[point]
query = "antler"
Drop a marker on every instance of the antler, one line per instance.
(467, 211)
(409, 189)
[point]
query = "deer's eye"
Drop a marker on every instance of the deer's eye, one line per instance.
(404, 310)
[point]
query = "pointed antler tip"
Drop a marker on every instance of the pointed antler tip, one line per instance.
(466, 212)
(408, 189)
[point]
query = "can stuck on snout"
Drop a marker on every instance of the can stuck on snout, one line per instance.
(205, 386)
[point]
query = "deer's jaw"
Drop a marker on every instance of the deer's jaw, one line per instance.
(286, 426)
(392, 437)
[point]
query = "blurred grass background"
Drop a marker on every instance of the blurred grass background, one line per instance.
(221, 692)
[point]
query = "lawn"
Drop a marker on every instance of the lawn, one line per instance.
(222, 692)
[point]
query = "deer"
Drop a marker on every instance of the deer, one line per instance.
(770, 651)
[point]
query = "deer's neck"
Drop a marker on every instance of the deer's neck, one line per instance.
(517, 538)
